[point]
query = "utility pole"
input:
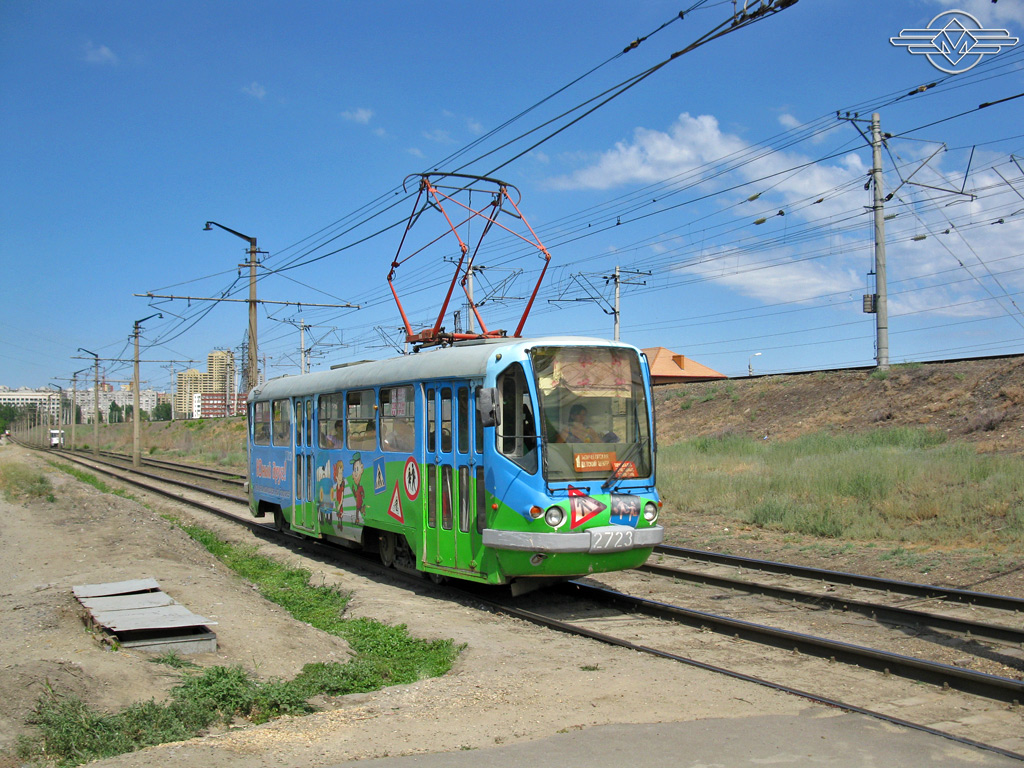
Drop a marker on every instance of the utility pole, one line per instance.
(617, 277)
(95, 403)
(594, 294)
(250, 370)
(136, 458)
(876, 303)
(74, 405)
(302, 346)
(881, 290)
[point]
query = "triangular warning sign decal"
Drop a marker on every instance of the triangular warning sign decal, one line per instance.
(583, 507)
(395, 507)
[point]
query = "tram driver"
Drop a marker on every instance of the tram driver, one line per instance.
(578, 430)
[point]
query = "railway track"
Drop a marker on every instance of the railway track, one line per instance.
(663, 628)
(953, 611)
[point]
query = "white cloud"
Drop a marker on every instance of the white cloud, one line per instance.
(656, 155)
(786, 120)
(362, 115)
(695, 149)
(816, 248)
(255, 90)
(416, 153)
(99, 54)
(439, 136)
(786, 276)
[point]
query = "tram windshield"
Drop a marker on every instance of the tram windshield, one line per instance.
(593, 413)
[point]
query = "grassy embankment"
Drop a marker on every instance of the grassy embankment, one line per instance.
(902, 486)
(72, 733)
(898, 485)
(210, 442)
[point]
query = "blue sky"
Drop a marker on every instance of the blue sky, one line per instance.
(125, 126)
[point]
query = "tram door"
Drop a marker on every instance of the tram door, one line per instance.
(455, 484)
(305, 517)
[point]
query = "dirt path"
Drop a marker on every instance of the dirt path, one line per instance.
(513, 682)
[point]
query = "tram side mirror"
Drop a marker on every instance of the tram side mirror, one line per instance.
(487, 406)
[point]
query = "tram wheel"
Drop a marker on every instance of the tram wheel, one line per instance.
(387, 545)
(278, 520)
(438, 578)
(404, 558)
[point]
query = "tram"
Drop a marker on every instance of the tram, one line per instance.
(496, 460)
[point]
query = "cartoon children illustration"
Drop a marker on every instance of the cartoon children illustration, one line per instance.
(357, 488)
(338, 489)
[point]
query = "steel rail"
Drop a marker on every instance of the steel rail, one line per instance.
(970, 628)
(91, 463)
(223, 475)
(976, 683)
(1002, 602)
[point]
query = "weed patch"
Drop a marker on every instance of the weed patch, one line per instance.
(19, 481)
(899, 485)
(71, 733)
(90, 479)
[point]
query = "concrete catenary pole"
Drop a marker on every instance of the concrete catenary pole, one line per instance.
(136, 412)
(882, 309)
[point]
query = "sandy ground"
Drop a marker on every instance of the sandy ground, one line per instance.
(513, 682)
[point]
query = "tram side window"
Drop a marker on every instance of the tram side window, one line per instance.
(261, 423)
(330, 425)
(397, 419)
(446, 420)
(281, 422)
(516, 436)
(463, 402)
(431, 422)
(361, 412)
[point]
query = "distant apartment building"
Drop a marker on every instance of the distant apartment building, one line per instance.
(44, 400)
(218, 380)
(48, 400)
(215, 405)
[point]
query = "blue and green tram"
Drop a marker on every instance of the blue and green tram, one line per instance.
(495, 460)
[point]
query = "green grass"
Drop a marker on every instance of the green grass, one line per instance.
(90, 479)
(71, 733)
(19, 481)
(906, 486)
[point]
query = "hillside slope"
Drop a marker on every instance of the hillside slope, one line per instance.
(980, 401)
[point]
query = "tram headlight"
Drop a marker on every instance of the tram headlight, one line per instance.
(554, 516)
(650, 511)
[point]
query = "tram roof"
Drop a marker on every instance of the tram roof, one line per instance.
(463, 360)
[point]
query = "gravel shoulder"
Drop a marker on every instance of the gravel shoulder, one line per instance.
(513, 682)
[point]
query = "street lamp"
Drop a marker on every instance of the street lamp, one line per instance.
(250, 368)
(95, 403)
(750, 364)
(136, 461)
